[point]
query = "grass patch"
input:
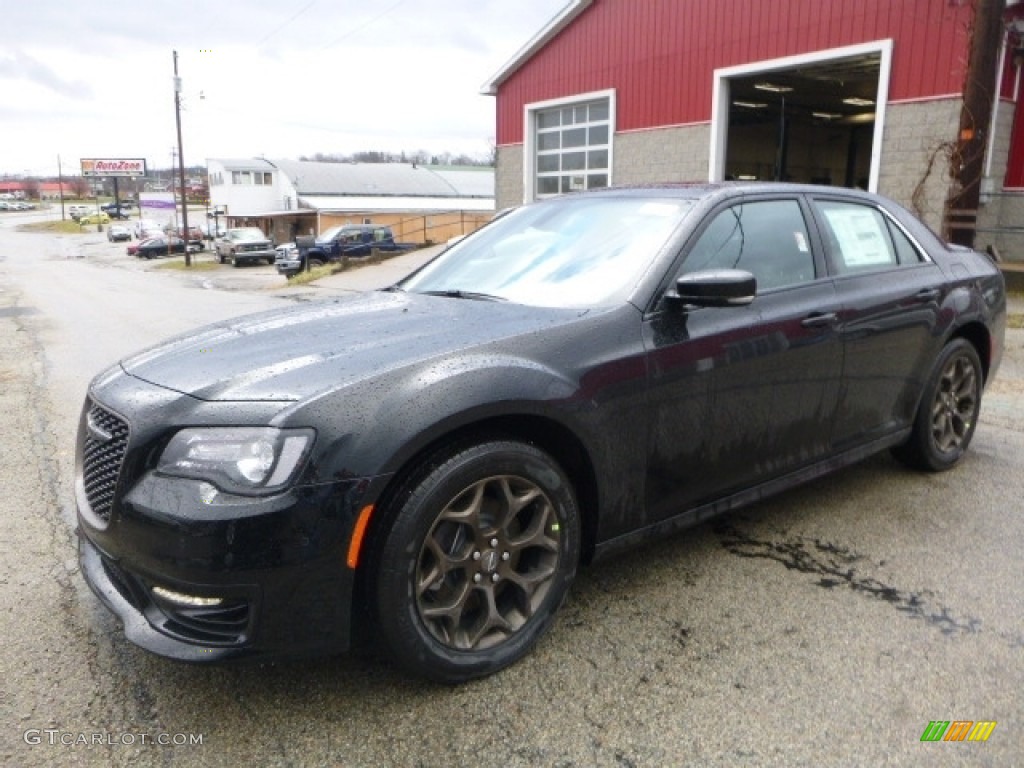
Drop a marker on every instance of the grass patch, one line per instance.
(316, 273)
(178, 263)
(68, 227)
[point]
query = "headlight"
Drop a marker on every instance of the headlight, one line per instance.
(237, 459)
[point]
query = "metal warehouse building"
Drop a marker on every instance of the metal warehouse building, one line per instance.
(873, 93)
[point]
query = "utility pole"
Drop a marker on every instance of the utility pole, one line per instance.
(60, 187)
(981, 88)
(181, 162)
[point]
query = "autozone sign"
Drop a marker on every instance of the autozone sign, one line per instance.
(113, 166)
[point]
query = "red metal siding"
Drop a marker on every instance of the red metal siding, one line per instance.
(660, 55)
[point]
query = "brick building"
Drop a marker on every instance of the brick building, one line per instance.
(867, 94)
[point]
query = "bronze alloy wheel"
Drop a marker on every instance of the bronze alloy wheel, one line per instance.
(475, 559)
(487, 563)
(948, 411)
(955, 406)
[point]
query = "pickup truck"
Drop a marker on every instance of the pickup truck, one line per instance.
(242, 244)
(119, 210)
(337, 243)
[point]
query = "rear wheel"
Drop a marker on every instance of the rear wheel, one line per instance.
(476, 560)
(948, 413)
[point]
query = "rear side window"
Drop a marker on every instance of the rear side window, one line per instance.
(862, 239)
(767, 238)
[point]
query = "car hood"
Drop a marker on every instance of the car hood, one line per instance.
(292, 354)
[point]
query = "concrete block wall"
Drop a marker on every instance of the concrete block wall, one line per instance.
(664, 154)
(914, 133)
(508, 178)
(1001, 213)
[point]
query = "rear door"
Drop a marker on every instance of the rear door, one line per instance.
(890, 292)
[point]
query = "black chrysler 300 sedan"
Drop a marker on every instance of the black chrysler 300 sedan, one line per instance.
(433, 461)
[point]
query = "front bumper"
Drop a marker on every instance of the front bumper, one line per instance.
(200, 575)
(244, 256)
(276, 566)
(288, 267)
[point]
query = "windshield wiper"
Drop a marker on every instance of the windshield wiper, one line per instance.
(458, 293)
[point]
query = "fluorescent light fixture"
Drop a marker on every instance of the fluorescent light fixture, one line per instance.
(746, 177)
(750, 104)
(826, 115)
(856, 101)
(772, 87)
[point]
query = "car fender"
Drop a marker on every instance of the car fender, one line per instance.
(406, 412)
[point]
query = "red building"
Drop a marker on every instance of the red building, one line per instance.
(865, 93)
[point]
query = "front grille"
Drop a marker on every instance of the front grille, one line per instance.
(106, 440)
(251, 247)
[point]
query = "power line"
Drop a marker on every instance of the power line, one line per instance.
(363, 26)
(305, 8)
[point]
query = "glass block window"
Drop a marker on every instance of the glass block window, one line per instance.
(572, 144)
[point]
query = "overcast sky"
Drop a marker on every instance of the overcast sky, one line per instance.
(279, 78)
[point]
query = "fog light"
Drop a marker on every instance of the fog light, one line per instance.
(192, 601)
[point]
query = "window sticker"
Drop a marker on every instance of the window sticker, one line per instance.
(860, 236)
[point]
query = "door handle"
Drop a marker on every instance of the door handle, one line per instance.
(927, 294)
(819, 320)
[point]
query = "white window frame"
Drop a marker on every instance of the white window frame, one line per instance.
(530, 135)
(720, 98)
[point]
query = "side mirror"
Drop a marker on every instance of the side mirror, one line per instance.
(715, 288)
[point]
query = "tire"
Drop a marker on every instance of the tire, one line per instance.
(948, 412)
(476, 559)
(314, 263)
(235, 262)
(270, 261)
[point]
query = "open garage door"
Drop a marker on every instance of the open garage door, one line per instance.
(814, 118)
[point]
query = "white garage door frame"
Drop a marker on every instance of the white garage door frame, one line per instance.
(720, 98)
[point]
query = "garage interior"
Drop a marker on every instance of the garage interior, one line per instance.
(812, 123)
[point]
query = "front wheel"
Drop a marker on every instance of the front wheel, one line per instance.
(314, 263)
(948, 413)
(476, 560)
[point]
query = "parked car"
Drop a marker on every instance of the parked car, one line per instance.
(144, 229)
(336, 243)
(94, 218)
(154, 247)
(77, 210)
(117, 212)
(125, 207)
(117, 233)
(241, 245)
(434, 461)
(195, 237)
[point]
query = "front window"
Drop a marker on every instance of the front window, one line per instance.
(767, 238)
(569, 252)
(572, 147)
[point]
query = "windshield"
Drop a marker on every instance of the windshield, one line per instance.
(327, 235)
(246, 234)
(565, 252)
